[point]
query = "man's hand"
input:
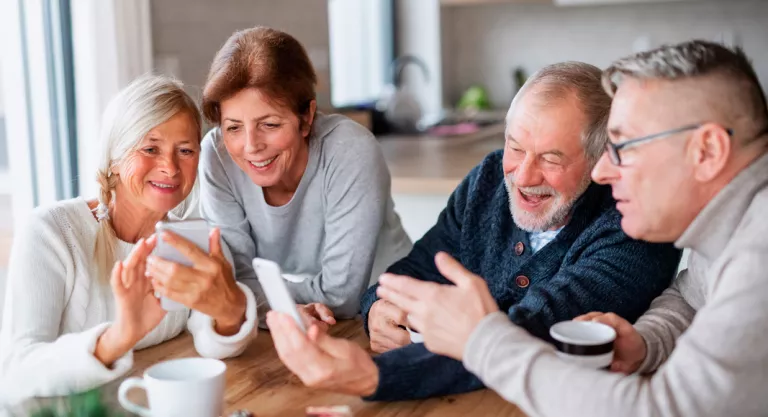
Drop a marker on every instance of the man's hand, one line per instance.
(384, 321)
(321, 361)
(446, 315)
(629, 348)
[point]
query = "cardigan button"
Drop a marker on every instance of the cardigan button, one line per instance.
(522, 281)
(519, 248)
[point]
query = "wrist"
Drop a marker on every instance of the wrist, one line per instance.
(111, 345)
(230, 321)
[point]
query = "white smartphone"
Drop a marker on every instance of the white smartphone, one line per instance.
(194, 230)
(271, 279)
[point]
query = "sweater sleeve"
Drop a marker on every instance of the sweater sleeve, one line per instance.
(717, 368)
(34, 359)
(664, 322)
(357, 188)
(220, 207)
(613, 273)
(210, 344)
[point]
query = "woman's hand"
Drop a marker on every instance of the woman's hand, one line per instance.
(316, 314)
(137, 309)
(208, 286)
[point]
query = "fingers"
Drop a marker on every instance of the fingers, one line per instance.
(116, 278)
(619, 324)
(394, 338)
(454, 271)
(171, 276)
(323, 313)
(188, 249)
(398, 289)
(214, 243)
(588, 316)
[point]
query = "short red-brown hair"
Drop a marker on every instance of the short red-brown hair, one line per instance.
(269, 60)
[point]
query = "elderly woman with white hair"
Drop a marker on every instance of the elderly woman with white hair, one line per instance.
(69, 324)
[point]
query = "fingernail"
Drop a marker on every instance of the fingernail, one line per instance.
(150, 260)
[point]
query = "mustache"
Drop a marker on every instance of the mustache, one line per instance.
(536, 190)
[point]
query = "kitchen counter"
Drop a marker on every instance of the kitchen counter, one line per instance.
(426, 164)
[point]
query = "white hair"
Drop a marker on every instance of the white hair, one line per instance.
(144, 104)
(558, 81)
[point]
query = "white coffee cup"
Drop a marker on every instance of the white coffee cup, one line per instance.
(587, 343)
(190, 387)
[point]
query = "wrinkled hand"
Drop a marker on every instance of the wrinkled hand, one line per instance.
(317, 314)
(629, 348)
(432, 308)
(384, 320)
(208, 286)
(137, 310)
(321, 361)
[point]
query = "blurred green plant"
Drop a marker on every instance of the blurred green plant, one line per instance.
(87, 404)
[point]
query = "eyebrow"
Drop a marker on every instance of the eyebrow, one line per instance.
(554, 152)
(258, 119)
(153, 140)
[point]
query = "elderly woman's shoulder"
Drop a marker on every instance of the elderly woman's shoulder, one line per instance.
(342, 133)
(60, 215)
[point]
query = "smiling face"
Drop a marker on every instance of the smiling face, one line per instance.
(267, 141)
(545, 167)
(160, 173)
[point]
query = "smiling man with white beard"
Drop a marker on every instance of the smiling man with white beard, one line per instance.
(560, 253)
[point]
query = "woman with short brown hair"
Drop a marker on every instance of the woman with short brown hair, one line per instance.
(284, 182)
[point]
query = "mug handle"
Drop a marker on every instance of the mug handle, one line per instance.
(122, 393)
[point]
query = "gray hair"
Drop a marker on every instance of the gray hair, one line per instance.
(144, 104)
(714, 63)
(584, 80)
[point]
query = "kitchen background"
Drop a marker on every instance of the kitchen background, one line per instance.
(460, 43)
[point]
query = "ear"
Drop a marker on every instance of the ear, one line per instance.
(710, 148)
(308, 118)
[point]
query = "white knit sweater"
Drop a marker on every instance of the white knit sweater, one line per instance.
(55, 310)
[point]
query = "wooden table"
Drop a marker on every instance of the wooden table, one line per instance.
(259, 382)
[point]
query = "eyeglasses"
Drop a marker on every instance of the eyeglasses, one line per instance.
(613, 148)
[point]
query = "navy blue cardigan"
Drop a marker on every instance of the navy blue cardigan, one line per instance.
(590, 266)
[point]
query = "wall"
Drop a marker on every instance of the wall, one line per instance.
(188, 33)
(483, 44)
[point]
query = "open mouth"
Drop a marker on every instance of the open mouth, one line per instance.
(533, 199)
(164, 186)
(263, 164)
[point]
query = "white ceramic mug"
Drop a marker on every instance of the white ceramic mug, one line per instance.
(586, 343)
(190, 387)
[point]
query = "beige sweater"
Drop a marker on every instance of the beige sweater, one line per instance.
(55, 310)
(719, 365)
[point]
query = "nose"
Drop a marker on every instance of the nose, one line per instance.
(527, 173)
(605, 171)
(169, 165)
(253, 143)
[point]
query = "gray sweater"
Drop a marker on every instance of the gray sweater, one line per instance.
(713, 365)
(335, 236)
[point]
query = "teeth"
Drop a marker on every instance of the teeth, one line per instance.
(162, 185)
(263, 163)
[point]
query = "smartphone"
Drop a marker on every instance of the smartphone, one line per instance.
(194, 230)
(271, 279)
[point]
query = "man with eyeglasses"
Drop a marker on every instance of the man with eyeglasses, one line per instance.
(529, 219)
(688, 162)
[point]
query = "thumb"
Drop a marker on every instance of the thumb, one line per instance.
(453, 271)
(214, 243)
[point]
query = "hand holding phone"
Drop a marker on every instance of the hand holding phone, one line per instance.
(271, 280)
(195, 231)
